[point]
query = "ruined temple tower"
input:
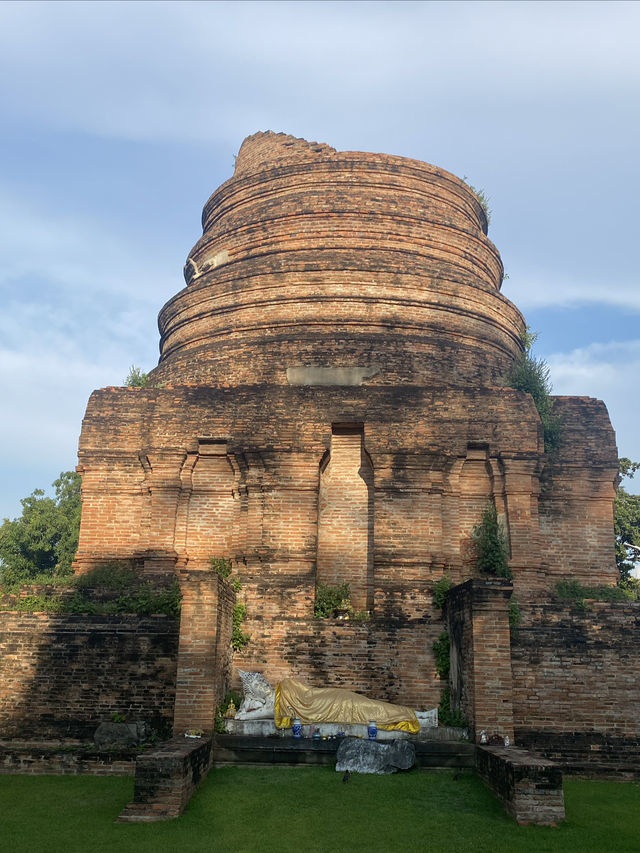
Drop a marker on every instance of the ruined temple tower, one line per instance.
(330, 406)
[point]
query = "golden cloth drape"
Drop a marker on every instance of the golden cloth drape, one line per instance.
(335, 705)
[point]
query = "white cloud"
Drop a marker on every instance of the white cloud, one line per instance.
(539, 288)
(202, 71)
(75, 253)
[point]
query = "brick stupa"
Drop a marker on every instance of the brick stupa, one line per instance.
(330, 406)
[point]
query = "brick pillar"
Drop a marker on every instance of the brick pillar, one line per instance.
(481, 683)
(204, 651)
(165, 485)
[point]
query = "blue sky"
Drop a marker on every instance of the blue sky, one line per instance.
(117, 121)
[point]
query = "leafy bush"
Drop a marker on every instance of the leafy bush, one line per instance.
(482, 197)
(361, 615)
(573, 590)
(136, 378)
(238, 638)
(329, 598)
(221, 565)
(440, 590)
(441, 653)
(490, 545)
(446, 715)
(531, 375)
(515, 617)
(110, 588)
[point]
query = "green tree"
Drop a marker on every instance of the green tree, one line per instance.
(136, 378)
(531, 375)
(627, 522)
(44, 539)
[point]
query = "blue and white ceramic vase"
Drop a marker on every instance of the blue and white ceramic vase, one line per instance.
(372, 730)
(296, 728)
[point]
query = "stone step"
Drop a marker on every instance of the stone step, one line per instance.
(235, 749)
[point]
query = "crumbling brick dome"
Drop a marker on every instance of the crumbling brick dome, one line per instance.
(324, 259)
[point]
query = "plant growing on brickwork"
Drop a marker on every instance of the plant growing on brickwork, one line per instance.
(482, 197)
(574, 590)
(440, 590)
(531, 375)
(442, 654)
(448, 716)
(515, 617)
(147, 599)
(490, 544)
(330, 598)
(361, 615)
(109, 588)
(221, 565)
(238, 638)
(136, 378)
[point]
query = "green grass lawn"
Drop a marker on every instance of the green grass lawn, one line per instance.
(309, 809)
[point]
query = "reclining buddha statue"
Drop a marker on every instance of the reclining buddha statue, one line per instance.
(293, 699)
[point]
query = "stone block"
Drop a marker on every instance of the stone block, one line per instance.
(366, 756)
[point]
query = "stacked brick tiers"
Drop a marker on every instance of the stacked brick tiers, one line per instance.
(339, 259)
(329, 406)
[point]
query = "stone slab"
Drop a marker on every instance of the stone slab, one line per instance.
(369, 756)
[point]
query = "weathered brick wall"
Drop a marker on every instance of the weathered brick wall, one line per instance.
(576, 501)
(272, 440)
(576, 683)
(41, 757)
(389, 659)
(62, 675)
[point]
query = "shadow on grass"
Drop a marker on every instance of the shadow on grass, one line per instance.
(310, 810)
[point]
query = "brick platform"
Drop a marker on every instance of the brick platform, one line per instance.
(166, 778)
(529, 787)
(47, 757)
